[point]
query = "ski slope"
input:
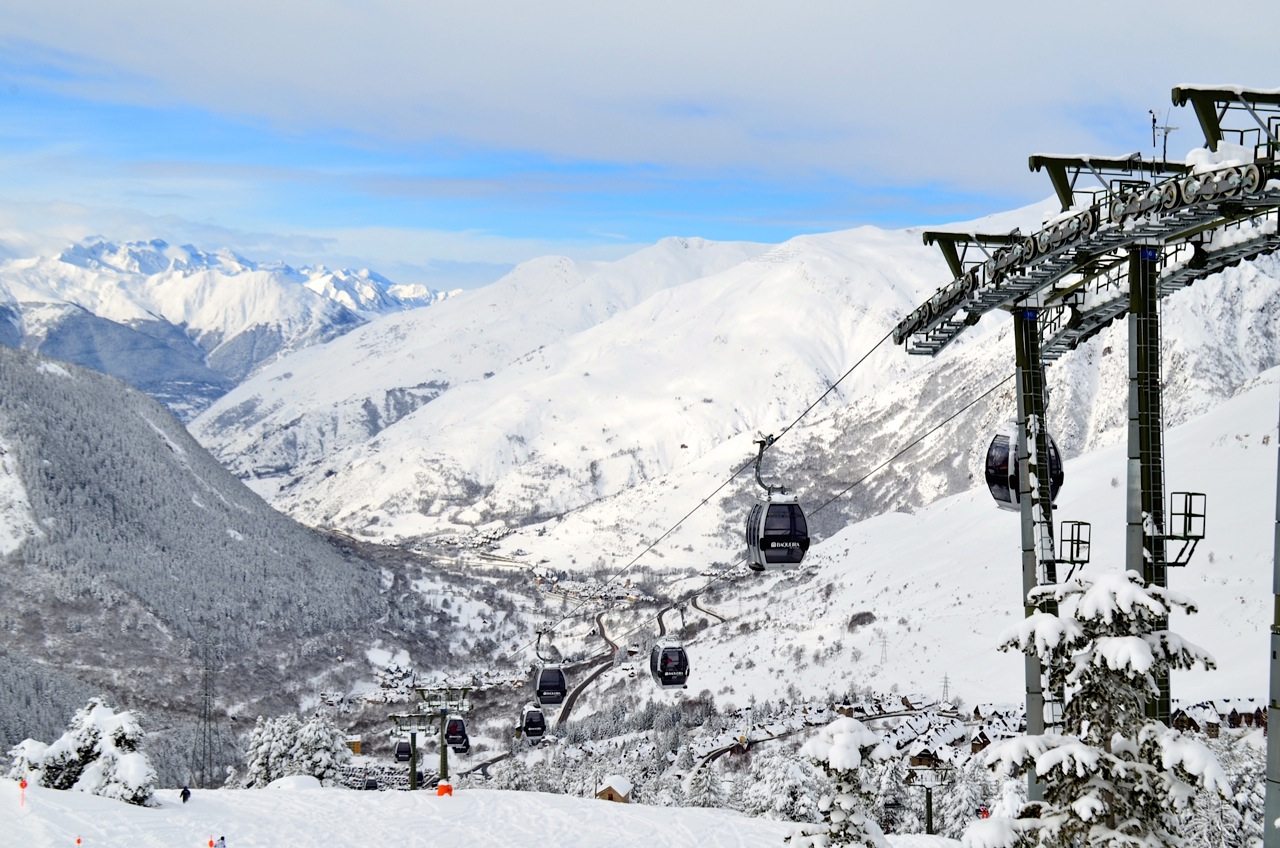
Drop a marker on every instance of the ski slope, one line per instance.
(299, 813)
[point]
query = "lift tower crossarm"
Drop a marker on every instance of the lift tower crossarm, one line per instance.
(1064, 171)
(1212, 103)
(954, 246)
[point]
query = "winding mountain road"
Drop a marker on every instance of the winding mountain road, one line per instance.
(604, 664)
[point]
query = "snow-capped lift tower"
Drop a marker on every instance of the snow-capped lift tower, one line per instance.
(1134, 231)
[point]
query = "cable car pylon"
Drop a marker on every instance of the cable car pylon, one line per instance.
(1035, 505)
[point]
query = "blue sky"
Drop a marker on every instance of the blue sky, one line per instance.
(442, 143)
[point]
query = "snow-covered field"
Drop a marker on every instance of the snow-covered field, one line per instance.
(296, 815)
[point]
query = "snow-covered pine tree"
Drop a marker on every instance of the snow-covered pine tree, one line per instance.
(25, 759)
(1112, 777)
(780, 786)
(120, 770)
(846, 750)
(545, 777)
(99, 754)
(738, 792)
(704, 787)
(661, 791)
(320, 749)
(285, 745)
(899, 807)
(270, 754)
(1248, 797)
(282, 741)
(511, 774)
(969, 789)
(684, 759)
(257, 769)
(65, 760)
(1011, 796)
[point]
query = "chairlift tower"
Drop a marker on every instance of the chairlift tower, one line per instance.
(1144, 501)
(1145, 230)
(929, 777)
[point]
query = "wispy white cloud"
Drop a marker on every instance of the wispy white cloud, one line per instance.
(443, 259)
(570, 117)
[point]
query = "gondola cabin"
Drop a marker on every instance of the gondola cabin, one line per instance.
(1002, 468)
(455, 734)
(551, 687)
(777, 533)
(669, 665)
(533, 724)
(404, 751)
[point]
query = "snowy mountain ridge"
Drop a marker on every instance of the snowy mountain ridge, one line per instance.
(181, 323)
(361, 290)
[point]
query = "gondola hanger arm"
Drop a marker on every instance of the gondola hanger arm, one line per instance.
(764, 441)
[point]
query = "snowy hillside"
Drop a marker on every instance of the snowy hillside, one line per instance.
(181, 324)
(917, 602)
(620, 378)
(596, 398)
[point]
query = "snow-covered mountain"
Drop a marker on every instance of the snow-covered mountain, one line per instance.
(562, 384)
(179, 323)
(594, 397)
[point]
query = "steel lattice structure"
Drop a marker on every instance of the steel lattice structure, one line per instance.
(1131, 231)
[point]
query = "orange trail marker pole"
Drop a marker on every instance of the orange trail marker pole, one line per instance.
(22, 793)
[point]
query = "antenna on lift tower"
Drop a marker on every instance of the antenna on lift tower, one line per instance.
(1164, 131)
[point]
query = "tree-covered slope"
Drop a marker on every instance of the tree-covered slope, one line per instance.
(125, 549)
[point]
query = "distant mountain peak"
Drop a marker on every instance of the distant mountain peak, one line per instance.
(148, 258)
(182, 323)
